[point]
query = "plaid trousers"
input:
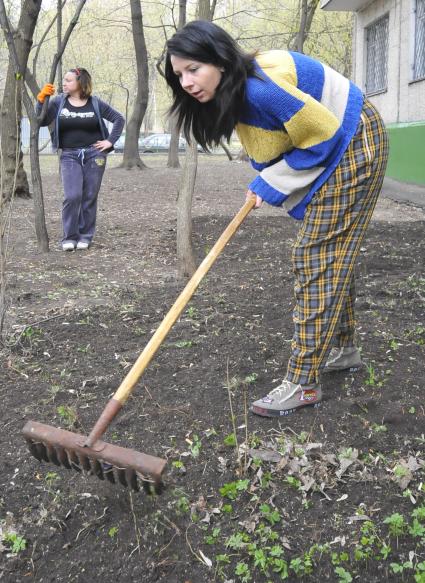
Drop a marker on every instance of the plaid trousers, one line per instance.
(326, 248)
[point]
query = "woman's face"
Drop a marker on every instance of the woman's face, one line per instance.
(70, 84)
(198, 79)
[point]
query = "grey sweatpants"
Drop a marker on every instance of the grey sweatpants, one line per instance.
(82, 172)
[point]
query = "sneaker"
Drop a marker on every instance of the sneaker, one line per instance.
(287, 398)
(68, 246)
(345, 358)
(83, 245)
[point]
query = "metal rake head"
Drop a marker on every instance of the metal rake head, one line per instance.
(118, 465)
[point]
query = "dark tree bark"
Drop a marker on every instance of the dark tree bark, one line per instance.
(185, 256)
(308, 9)
(40, 221)
(173, 151)
(59, 74)
(14, 178)
(131, 158)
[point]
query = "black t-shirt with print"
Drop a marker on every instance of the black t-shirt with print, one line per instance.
(78, 126)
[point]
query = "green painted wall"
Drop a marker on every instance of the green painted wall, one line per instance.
(407, 152)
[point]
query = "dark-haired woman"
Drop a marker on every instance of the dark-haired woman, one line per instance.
(321, 150)
(81, 135)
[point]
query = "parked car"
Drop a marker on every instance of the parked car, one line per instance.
(153, 144)
(159, 143)
(119, 144)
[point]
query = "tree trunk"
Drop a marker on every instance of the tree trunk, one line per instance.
(173, 150)
(308, 9)
(131, 158)
(59, 74)
(14, 178)
(226, 149)
(39, 214)
(185, 258)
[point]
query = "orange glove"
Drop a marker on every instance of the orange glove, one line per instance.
(48, 89)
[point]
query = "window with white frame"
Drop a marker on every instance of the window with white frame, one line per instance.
(377, 56)
(419, 62)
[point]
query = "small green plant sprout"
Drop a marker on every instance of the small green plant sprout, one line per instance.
(85, 349)
(293, 482)
(231, 490)
(237, 541)
(372, 379)
(16, 543)
(394, 345)
(401, 567)
(67, 414)
(113, 531)
(412, 410)
(192, 312)
(184, 344)
(396, 524)
(251, 378)
(179, 465)
(376, 428)
(343, 575)
(194, 446)
(272, 516)
(220, 561)
(420, 572)
(29, 333)
(212, 538)
(182, 505)
(419, 513)
(243, 572)
(230, 440)
(51, 478)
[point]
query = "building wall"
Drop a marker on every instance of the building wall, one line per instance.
(402, 105)
(404, 100)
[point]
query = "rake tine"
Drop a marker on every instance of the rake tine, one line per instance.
(97, 469)
(85, 463)
(42, 452)
(51, 452)
(122, 477)
(132, 481)
(108, 472)
(63, 457)
(34, 450)
(147, 487)
(74, 461)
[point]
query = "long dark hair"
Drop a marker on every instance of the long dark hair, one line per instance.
(206, 42)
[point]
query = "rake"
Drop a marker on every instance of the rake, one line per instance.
(111, 462)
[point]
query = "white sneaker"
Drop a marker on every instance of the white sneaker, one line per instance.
(287, 398)
(68, 246)
(82, 245)
(346, 358)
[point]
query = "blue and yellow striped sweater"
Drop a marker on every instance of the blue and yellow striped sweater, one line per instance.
(298, 119)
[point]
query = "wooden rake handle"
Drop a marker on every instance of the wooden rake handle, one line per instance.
(126, 387)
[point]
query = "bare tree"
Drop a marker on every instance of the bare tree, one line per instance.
(307, 11)
(35, 121)
(173, 151)
(14, 178)
(185, 257)
(131, 158)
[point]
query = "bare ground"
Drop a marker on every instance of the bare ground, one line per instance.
(334, 493)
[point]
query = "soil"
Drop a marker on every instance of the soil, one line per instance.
(298, 488)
